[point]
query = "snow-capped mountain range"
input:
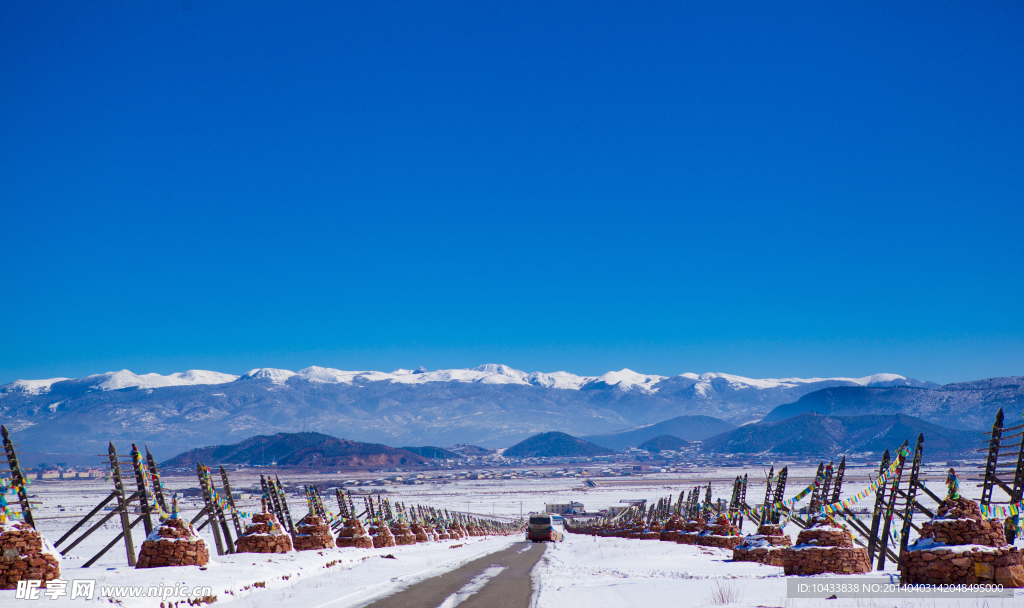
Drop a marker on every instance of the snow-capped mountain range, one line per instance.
(491, 405)
(490, 373)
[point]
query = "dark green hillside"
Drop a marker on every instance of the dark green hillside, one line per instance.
(814, 435)
(688, 428)
(434, 453)
(664, 442)
(552, 445)
(294, 449)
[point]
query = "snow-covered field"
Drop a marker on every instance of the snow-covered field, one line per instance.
(582, 571)
(587, 572)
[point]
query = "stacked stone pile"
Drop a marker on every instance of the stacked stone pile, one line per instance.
(691, 530)
(353, 534)
(824, 547)
(403, 534)
(420, 533)
(670, 531)
(25, 556)
(765, 547)
(382, 536)
(312, 533)
(173, 543)
(959, 546)
(264, 535)
(721, 534)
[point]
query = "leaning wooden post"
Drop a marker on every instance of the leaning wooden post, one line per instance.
(158, 487)
(140, 481)
(284, 503)
(816, 492)
(270, 492)
(231, 501)
(989, 482)
(211, 511)
(122, 505)
(877, 513)
(743, 500)
(229, 543)
(17, 477)
(890, 507)
(911, 495)
(838, 484)
(767, 497)
(780, 493)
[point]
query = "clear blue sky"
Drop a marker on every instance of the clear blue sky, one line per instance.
(766, 189)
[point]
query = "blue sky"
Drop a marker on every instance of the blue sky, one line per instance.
(774, 190)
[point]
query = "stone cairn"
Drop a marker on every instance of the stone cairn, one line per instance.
(721, 534)
(421, 533)
(312, 533)
(670, 531)
(353, 534)
(264, 535)
(173, 543)
(25, 556)
(691, 530)
(382, 536)
(403, 534)
(765, 547)
(959, 546)
(824, 547)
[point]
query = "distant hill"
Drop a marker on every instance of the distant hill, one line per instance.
(971, 405)
(298, 449)
(466, 449)
(554, 444)
(811, 434)
(690, 428)
(664, 442)
(434, 453)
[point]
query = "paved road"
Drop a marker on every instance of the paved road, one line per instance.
(498, 580)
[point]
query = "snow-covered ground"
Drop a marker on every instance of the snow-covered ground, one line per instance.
(582, 571)
(591, 572)
(343, 577)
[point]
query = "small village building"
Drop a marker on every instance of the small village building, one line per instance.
(567, 508)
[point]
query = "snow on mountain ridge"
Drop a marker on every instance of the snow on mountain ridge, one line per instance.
(29, 387)
(490, 373)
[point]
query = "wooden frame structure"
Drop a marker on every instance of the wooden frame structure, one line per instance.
(18, 477)
(1003, 444)
(123, 507)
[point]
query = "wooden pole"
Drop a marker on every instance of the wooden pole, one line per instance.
(989, 480)
(877, 513)
(82, 521)
(140, 481)
(211, 511)
(231, 501)
(838, 484)
(911, 494)
(122, 507)
(17, 477)
(889, 509)
(284, 503)
(767, 496)
(157, 485)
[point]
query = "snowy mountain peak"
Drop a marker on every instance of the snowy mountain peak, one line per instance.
(29, 387)
(879, 379)
(277, 376)
(490, 373)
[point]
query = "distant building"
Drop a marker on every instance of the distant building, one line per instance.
(568, 508)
